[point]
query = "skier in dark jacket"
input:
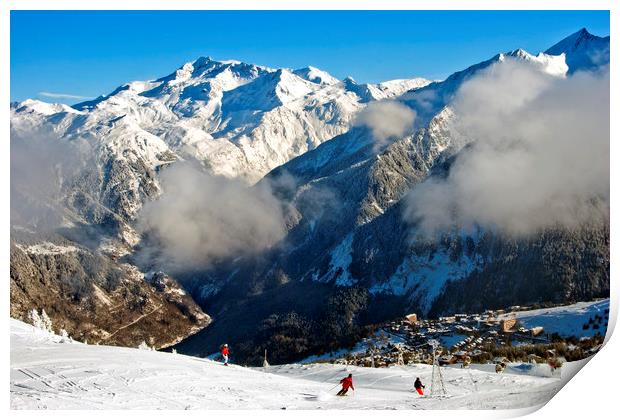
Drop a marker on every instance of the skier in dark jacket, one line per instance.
(346, 384)
(418, 386)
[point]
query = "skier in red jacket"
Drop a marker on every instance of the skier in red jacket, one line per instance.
(225, 353)
(418, 386)
(346, 384)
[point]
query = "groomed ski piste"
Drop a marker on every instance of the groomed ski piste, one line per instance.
(50, 372)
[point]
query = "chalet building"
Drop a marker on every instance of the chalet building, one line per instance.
(508, 325)
(447, 359)
(536, 331)
(412, 318)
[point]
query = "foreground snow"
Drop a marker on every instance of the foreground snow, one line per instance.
(49, 372)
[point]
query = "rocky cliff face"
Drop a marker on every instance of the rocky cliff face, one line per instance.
(98, 299)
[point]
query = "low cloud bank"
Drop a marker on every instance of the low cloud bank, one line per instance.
(200, 218)
(386, 120)
(41, 165)
(538, 157)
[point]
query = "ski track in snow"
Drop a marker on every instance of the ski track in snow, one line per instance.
(48, 374)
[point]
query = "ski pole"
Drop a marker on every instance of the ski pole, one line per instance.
(332, 387)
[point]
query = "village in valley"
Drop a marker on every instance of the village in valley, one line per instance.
(551, 335)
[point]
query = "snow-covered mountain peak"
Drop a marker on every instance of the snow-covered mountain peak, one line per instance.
(206, 75)
(518, 53)
(43, 108)
(315, 75)
(397, 87)
(554, 65)
(583, 50)
(207, 67)
(389, 89)
(290, 86)
(267, 92)
(240, 119)
(574, 41)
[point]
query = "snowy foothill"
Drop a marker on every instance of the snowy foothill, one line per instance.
(567, 321)
(48, 372)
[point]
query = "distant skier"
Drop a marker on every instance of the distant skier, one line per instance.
(346, 384)
(418, 386)
(225, 353)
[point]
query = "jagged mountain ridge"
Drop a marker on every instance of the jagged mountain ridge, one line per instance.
(241, 119)
(238, 120)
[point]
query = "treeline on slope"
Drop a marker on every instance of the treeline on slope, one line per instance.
(291, 336)
(293, 319)
(557, 266)
(571, 348)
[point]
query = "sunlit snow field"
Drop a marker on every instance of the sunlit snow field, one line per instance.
(49, 373)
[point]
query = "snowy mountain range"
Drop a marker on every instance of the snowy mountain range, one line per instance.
(240, 120)
(346, 248)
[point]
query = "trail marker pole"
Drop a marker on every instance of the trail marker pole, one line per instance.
(265, 362)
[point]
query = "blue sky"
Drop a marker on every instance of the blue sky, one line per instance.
(89, 53)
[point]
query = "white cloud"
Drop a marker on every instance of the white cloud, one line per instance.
(62, 95)
(386, 119)
(200, 218)
(539, 155)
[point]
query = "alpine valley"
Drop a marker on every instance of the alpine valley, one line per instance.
(344, 256)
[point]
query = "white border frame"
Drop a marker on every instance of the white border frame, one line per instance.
(591, 393)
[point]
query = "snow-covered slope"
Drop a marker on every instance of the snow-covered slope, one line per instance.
(49, 372)
(566, 320)
(434, 97)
